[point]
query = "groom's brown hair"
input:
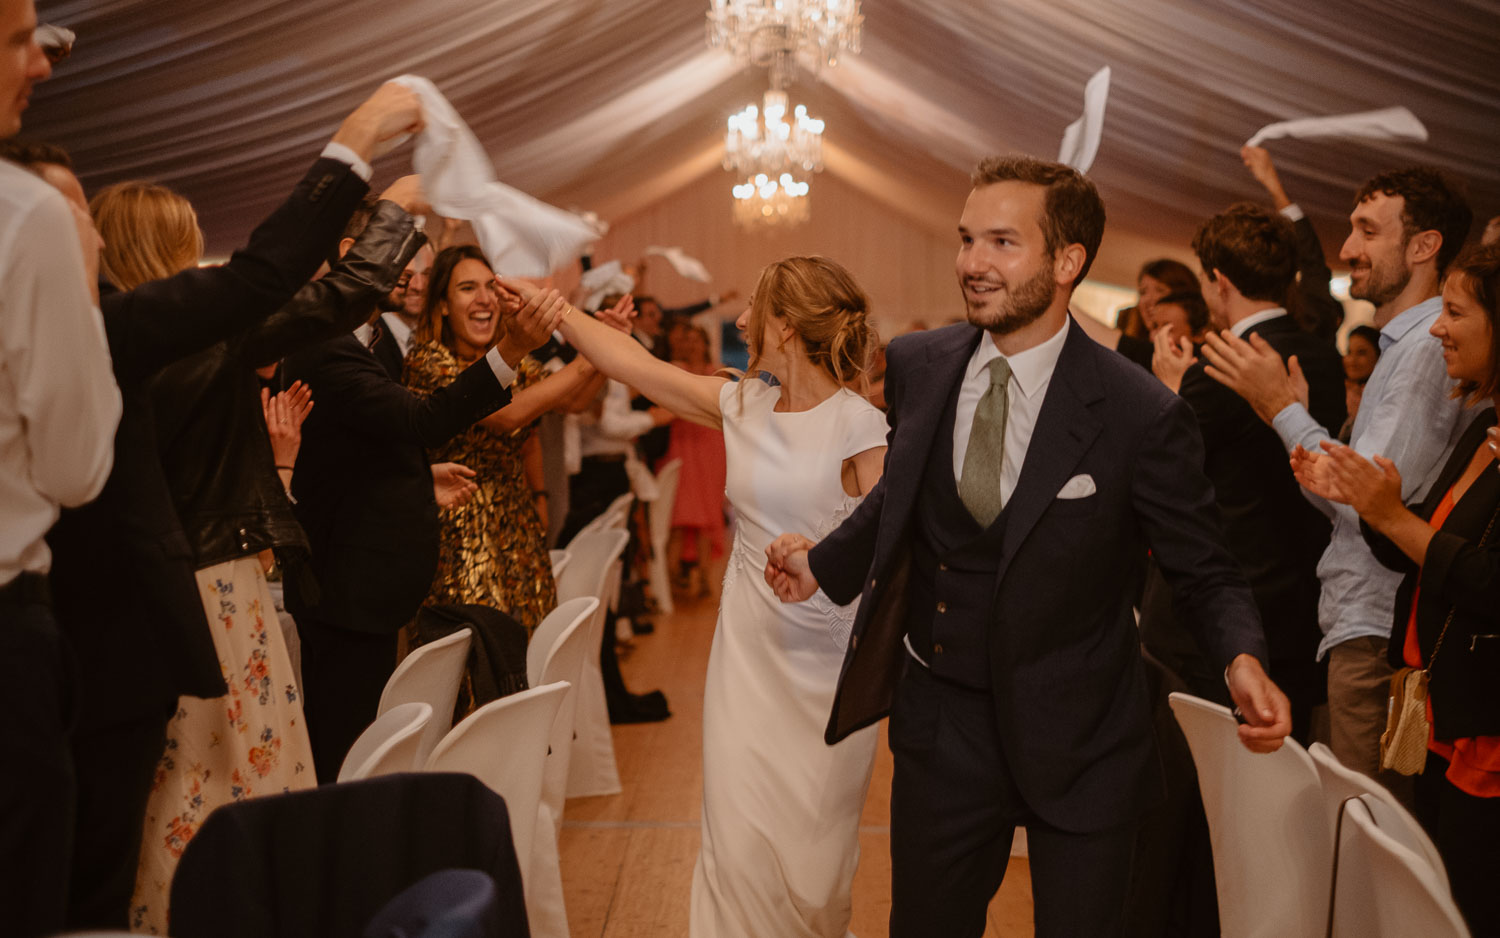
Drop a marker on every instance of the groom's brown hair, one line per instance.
(1072, 212)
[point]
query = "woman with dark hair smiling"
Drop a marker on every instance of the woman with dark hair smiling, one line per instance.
(1445, 621)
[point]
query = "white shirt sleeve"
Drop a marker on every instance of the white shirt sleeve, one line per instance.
(617, 420)
(505, 374)
(58, 358)
(340, 152)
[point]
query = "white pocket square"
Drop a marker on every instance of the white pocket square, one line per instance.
(1080, 486)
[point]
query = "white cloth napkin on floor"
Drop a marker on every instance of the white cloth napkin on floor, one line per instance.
(1080, 143)
(522, 236)
(1392, 123)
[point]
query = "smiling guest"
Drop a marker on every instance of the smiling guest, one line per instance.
(1408, 225)
(492, 550)
(1444, 617)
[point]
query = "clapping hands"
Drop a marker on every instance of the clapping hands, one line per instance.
(284, 413)
(1340, 474)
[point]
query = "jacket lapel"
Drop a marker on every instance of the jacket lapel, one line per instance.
(1065, 429)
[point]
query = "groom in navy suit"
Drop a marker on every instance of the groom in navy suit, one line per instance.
(1028, 473)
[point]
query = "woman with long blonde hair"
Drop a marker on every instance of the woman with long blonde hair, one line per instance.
(780, 828)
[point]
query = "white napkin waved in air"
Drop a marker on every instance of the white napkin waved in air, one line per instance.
(686, 266)
(1080, 143)
(602, 281)
(522, 236)
(1392, 123)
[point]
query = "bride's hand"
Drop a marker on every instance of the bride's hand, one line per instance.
(787, 571)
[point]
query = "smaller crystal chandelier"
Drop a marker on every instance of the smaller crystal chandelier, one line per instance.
(782, 34)
(764, 141)
(764, 202)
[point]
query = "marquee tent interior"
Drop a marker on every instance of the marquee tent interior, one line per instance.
(618, 106)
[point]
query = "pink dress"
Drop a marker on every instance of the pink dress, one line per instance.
(700, 487)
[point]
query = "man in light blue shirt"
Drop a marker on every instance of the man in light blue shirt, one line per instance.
(1407, 226)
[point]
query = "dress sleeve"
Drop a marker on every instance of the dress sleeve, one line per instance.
(865, 427)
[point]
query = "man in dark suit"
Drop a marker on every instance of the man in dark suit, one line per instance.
(1028, 471)
(1249, 259)
(364, 494)
(122, 577)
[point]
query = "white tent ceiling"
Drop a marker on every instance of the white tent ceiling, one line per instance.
(615, 104)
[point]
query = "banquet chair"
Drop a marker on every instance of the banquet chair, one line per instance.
(431, 674)
(1341, 783)
(504, 745)
(390, 744)
(659, 516)
(596, 558)
(1384, 888)
(1272, 843)
(612, 517)
(560, 561)
(551, 630)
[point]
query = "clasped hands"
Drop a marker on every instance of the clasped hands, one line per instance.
(787, 571)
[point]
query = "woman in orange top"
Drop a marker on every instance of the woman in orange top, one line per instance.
(1450, 544)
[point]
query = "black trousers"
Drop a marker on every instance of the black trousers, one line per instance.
(1466, 830)
(954, 811)
(36, 787)
(116, 765)
(590, 491)
(343, 674)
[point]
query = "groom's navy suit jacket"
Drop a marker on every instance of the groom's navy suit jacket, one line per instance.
(1069, 691)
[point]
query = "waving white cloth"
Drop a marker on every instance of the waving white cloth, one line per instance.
(686, 266)
(1080, 143)
(1392, 123)
(604, 280)
(522, 237)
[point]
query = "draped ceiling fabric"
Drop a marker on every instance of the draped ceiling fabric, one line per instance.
(615, 105)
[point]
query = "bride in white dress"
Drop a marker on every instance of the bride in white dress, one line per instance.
(780, 834)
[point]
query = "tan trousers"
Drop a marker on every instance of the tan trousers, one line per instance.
(1359, 688)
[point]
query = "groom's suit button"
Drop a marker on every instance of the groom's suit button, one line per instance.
(942, 607)
(937, 649)
(942, 566)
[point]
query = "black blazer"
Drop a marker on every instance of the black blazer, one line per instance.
(363, 483)
(388, 352)
(1461, 576)
(1070, 693)
(122, 571)
(1275, 534)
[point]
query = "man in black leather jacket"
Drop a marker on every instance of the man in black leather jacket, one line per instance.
(123, 567)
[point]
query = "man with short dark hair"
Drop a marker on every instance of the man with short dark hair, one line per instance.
(1407, 226)
(1028, 473)
(1249, 260)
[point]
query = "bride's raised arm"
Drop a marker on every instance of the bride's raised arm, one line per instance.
(689, 396)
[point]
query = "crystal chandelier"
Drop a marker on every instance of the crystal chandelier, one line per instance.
(764, 202)
(782, 34)
(769, 152)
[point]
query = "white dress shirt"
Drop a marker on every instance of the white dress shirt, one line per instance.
(399, 331)
(613, 432)
(1030, 374)
(59, 405)
(1254, 319)
(503, 372)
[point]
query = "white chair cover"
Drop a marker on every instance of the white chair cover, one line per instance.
(592, 769)
(504, 745)
(1385, 889)
(1272, 844)
(560, 561)
(390, 744)
(430, 674)
(1341, 783)
(659, 514)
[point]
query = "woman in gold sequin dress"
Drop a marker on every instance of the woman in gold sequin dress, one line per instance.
(493, 550)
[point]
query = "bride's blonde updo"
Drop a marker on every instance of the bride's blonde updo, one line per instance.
(827, 310)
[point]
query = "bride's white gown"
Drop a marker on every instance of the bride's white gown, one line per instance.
(780, 807)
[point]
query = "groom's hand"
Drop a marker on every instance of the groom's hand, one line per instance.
(787, 571)
(1265, 712)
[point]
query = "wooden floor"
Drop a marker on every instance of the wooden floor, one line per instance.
(627, 859)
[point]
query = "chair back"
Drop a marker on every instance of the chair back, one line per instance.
(390, 744)
(504, 745)
(659, 516)
(593, 552)
(1341, 783)
(618, 512)
(430, 674)
(564, 662)
(1385, 889)
(560, 561)
(1272, 844)
(550, 632)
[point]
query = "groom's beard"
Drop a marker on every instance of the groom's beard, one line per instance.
(1017, 308)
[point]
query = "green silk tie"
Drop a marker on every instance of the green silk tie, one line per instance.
(979, 485)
